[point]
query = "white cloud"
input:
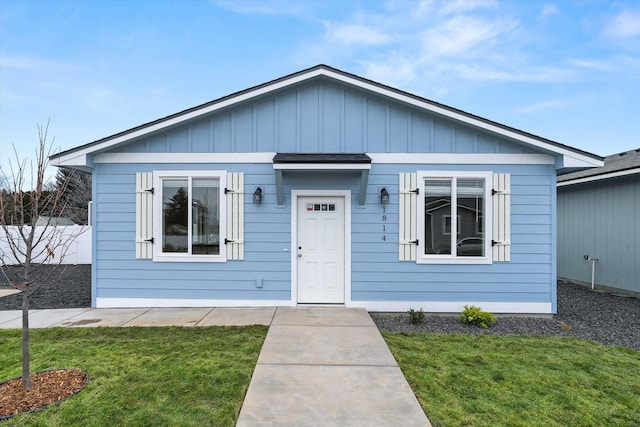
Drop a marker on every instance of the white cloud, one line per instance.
(454, 7)
(515, 73)
(29, 63)
(350, 34)
(394, 72)
(625, 24)
(548, 10)
(261, 7)
(553, 104)
(462, 34)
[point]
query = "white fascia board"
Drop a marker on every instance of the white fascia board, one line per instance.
(571, 161)
(184, 158)
(321, 166)
(599, 177)
(466, 158)
(74, 159)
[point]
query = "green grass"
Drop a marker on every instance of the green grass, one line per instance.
(463, 380)
(142, 376)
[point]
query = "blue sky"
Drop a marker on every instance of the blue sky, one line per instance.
(567, 71)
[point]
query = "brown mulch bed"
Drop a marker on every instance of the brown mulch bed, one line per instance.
(47, 387)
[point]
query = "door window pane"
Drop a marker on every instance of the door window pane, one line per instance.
(437, 206)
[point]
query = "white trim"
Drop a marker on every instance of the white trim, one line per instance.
(462, 158)
(186, 302)
(322, 166)
(421, 257)
(388, 306)
(570, 158)
(158, 255)
(599, 177)
(266, 157)
(347, 238)
(379, 158)
(455, 306)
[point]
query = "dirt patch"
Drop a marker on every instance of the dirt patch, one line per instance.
(81, 322)
(47, 387)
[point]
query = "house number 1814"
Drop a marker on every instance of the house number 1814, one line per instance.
(384, 226)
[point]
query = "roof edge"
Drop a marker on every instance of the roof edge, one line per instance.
(582, 158)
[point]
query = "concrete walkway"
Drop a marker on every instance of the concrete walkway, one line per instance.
(328, 367)
(317, 367)
(117, 317)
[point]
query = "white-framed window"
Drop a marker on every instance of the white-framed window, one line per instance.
(189, 216)
(464, 195)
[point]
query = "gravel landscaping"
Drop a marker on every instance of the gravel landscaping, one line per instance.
(582, 313)
(69, 286)
(594, 315)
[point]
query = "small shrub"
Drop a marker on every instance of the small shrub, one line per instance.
(472, 315)
(416, 317)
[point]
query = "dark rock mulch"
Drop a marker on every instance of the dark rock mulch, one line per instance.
(582, 313)
(67, 286)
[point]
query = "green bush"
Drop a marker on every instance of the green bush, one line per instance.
(472, 315)
(416, 317)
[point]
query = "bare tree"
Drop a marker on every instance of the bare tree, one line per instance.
(76, 195)
(35, 253)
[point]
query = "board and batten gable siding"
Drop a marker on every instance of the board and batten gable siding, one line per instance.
(376, 273)
(599, 219)
(320, 117)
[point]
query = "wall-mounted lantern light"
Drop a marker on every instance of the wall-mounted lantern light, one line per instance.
(257, 196)
(384, 196)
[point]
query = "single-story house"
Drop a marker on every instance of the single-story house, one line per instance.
(599, 224)
(323, 187)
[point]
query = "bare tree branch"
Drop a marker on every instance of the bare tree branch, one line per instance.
(30, 245)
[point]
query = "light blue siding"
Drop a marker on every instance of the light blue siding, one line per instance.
(600, 219)
(322, 117)
(376, 273)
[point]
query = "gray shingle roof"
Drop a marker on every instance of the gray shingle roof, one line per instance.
(619, 162)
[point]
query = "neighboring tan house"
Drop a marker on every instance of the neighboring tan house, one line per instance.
(323, 187)
(599, 223)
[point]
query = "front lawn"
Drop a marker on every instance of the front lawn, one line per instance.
(463, 380)
(142, 376)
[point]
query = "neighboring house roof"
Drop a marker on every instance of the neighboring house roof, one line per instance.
(620, 164)
(572, 158)
(54, 220)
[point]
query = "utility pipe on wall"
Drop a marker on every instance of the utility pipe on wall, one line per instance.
(593, 269)
(593, 272)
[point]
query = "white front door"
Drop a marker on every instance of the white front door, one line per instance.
(320, 250)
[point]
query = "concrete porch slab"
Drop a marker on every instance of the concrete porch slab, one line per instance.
(7, 292)
(45, 318)
(322, 316)
(293, 395)
(326, 345)
(170, 317)
(104, 317)
(239, 316)
(9, 315)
